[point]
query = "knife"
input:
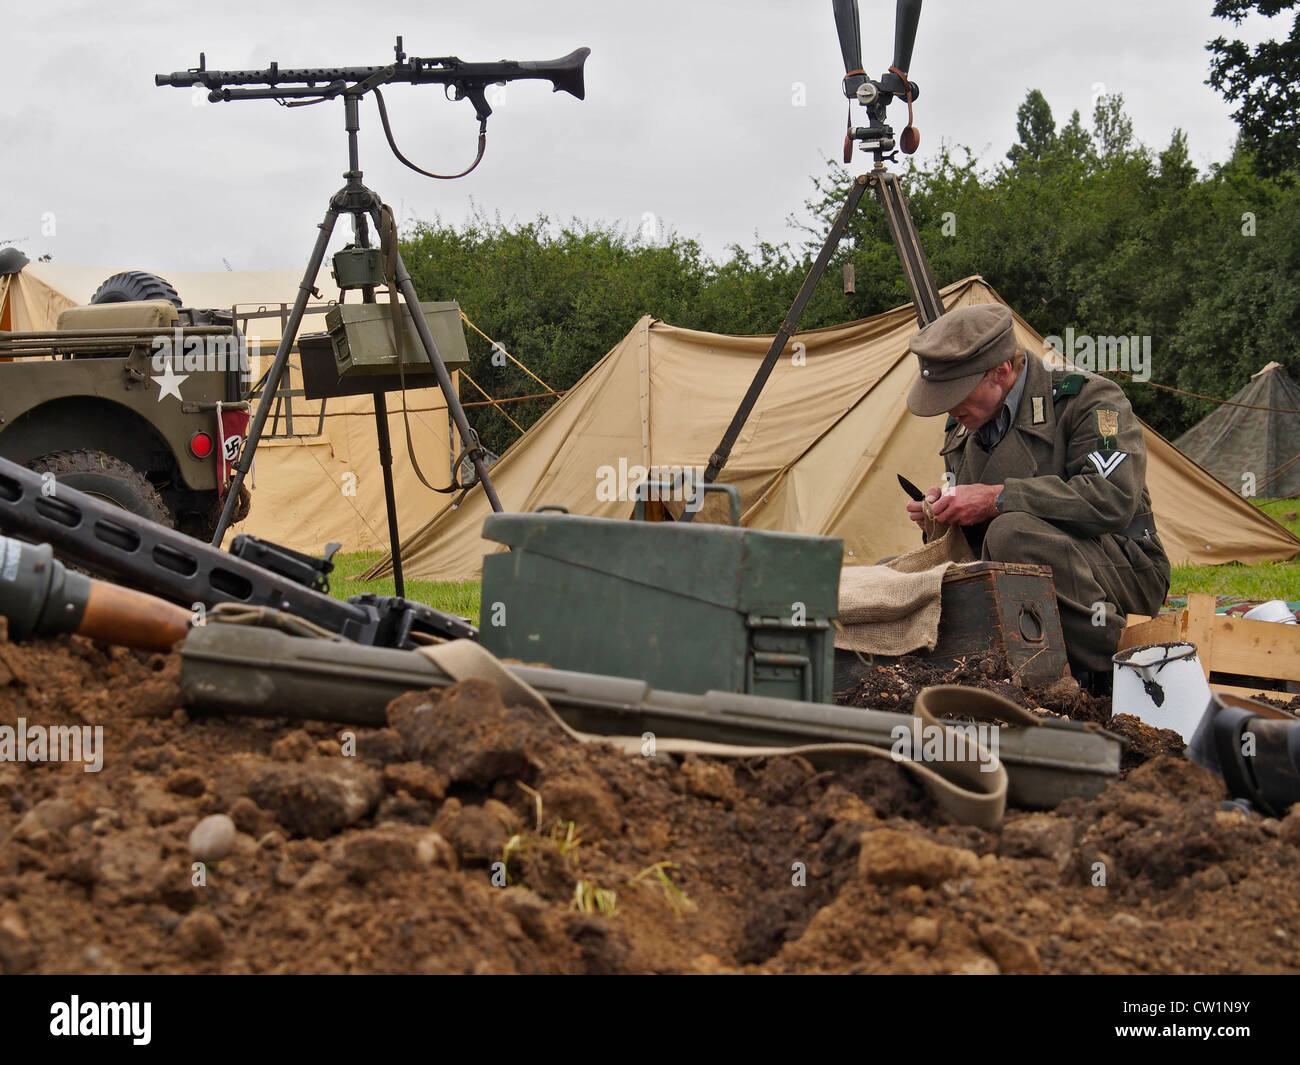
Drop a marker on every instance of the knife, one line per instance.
(913, 492)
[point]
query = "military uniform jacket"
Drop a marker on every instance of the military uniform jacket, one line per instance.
(1075, 456)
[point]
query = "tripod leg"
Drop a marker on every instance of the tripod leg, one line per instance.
(390, 497)
(457, 412)
(719, 457)
(916, 267)
(276, 372)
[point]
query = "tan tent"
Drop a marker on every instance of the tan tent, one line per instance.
(315, 478)
(818, 455)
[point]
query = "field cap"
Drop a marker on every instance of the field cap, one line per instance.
(955, 351)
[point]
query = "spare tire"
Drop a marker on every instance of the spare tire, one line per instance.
(132, 285)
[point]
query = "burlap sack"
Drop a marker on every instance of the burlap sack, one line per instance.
(893, 608)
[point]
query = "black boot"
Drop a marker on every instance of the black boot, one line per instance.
(1097, 684)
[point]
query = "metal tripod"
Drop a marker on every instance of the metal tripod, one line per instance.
(916, 269)
(361, 203)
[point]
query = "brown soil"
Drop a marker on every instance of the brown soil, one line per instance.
(374, 851)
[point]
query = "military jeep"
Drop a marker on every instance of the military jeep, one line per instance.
(125, 399)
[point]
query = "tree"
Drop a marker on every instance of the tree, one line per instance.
(1264, 83)
(1113, 127)
(1035, 128)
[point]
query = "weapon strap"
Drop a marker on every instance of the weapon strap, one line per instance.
(961, 785)
(388, 132)
(388, 247)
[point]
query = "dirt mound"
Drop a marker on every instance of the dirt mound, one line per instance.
(468, 836)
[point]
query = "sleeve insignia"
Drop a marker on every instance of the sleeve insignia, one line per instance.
(1108, 462)
(1107, 426)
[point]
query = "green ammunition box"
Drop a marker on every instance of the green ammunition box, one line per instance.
(362, 335)
(684, 607)
(358, 267)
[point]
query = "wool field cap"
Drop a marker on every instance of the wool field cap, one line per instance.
(955, 351)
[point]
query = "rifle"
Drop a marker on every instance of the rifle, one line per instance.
(163, 562)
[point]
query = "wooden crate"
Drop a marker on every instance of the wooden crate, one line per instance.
(1006, 608)
(1226, 645)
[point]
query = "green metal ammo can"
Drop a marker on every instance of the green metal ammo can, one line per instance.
(362, 334)
(685, 607)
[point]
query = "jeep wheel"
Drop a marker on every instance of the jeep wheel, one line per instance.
(106, 478)
(132, 285)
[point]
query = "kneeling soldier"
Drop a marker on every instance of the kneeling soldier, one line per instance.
(1049, 468)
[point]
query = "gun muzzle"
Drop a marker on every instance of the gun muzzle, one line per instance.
(40, 596)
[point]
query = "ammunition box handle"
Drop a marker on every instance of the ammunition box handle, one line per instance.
(782, 660)
(733, 497)
(559, 508)
(1031, 624)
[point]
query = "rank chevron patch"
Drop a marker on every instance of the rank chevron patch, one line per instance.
(1108, 463)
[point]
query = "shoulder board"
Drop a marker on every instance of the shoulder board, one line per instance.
(1069, 385)
(950, 425)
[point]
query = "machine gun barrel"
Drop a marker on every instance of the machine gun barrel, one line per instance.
(176, 567)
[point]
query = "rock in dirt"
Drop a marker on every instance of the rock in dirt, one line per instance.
(199, 936)
(1013, 953)
(584, 799)
(417, 780)
(922, 932)
(212, 839)
(380, 746)
(390, 848)
(130, 869)
(297, 746)
(432, 849)
(476, 834)
(250, 818)
(467, 733)
(322, 876)
(50, 817)
(188, 783)
(529, 909)
(890, 857)
(1038, 836)
(710, 779)
(316, 798)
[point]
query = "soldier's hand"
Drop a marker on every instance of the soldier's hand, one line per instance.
(914, 509)
(968, 504)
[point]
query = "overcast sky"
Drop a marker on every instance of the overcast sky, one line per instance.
(692, 112)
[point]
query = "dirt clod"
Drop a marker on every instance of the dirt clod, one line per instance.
(316, 798)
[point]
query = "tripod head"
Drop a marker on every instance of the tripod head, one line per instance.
(875, 96)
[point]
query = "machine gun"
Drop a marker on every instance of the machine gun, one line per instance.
(145, 555)
(311, 85)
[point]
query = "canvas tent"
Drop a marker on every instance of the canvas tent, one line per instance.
(1255, 447)
(316, 476)
(819, 454)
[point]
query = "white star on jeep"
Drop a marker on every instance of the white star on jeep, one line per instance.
(169, 383)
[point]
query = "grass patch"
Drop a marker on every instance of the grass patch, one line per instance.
(453, 597)
(1263, 580)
